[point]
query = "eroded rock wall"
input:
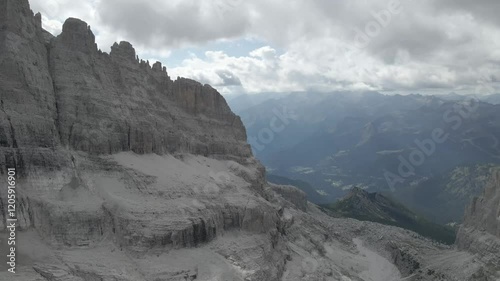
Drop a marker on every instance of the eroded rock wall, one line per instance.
(480, 231)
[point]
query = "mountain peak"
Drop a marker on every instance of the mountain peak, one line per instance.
(77, 35)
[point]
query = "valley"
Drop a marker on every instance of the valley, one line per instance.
(125, 174)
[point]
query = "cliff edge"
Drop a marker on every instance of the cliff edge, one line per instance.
(125, 174)
(480, 231)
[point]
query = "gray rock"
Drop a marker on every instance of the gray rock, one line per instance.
(484, 212)
(480, 231)
(291, 194)
(125, 174)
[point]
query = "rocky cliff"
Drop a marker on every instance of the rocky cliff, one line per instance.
(59, 91)
(125, 174)
(362, 205)
(480, 232)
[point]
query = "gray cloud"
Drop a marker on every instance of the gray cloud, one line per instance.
(442, 44)
(172, 23)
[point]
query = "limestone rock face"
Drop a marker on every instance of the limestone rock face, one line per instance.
(65, 91)
(127, 105)
(27, 100)
(77, 36)
(123, 52)
(291, 194)
(484, 212)
(480, 232)
(110, 152)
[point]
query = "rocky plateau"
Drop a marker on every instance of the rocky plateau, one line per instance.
(126, 174)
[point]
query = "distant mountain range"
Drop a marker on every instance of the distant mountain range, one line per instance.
(396, 144)
(493, 99)
(375, 207)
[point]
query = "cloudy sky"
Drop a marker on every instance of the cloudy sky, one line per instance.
(436, 46)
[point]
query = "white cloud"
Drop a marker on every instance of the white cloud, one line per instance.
(445, 44)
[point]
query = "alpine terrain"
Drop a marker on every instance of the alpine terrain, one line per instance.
(123, 173)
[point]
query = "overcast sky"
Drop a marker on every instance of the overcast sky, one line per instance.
(437, 46)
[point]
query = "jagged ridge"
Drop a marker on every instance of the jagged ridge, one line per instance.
(70, 114)
(375, 207)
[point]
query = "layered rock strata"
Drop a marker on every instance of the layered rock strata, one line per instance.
(480, 231)
(125, 174)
